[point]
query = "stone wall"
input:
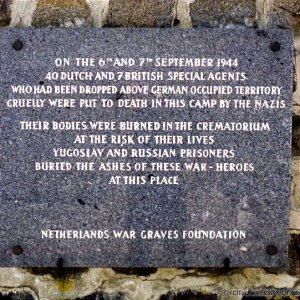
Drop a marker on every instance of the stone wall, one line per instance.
(140, 284)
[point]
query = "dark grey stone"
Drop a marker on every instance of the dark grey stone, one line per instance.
(256, 202)
(16, 296)
(103, 296)
(188, 295)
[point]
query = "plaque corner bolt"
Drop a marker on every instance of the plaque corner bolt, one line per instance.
(271, 250)
(17, 250)
(17, 45)
(275, 46)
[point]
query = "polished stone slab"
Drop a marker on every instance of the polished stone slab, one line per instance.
(212, 218)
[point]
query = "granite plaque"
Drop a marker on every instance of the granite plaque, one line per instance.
(145, 147)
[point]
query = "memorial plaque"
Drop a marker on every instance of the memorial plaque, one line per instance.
(145, 147)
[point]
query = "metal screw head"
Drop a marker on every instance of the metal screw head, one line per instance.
(17, 250)
(271, 250)
(17, 45)
(275, 46)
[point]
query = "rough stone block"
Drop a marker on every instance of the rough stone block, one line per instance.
(294, 254)
(297, 69)
(61, 13)
(286, 13)
(296, 183)
(16, 296)
(214, 13)
(5, 12)
(290, 5)
(142, 13)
